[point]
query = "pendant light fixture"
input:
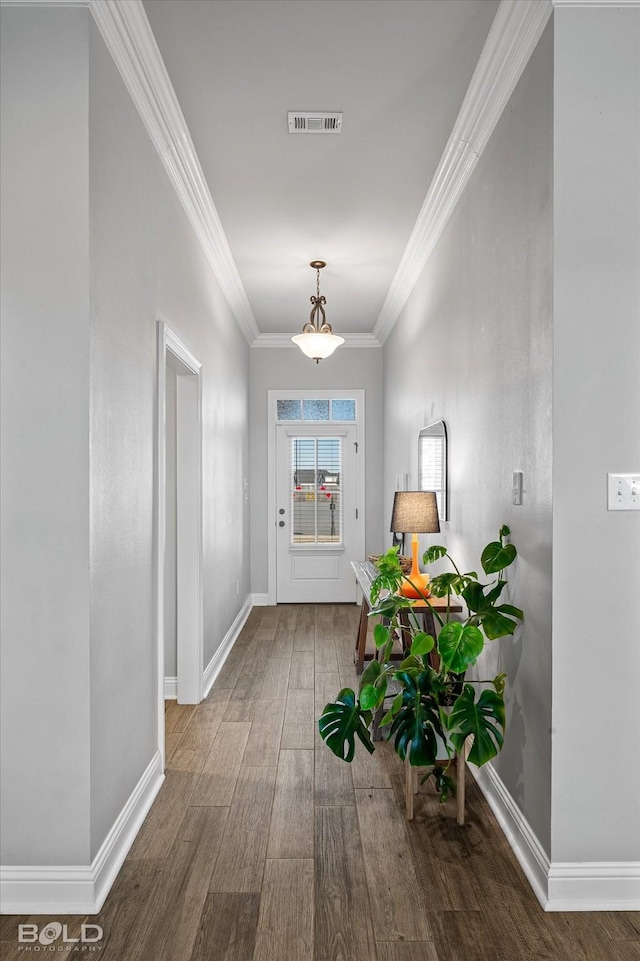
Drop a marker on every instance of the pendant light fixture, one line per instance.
(317, 339)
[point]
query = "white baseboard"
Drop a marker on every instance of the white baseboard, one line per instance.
(77, 889)
(532, 857)
(260, 600)
(594, 886)
(170, 688)
(559, 886)
(214, 666)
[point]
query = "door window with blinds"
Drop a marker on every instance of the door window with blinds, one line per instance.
(432, 464)
(315, 470)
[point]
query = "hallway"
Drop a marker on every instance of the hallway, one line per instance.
(262, 845)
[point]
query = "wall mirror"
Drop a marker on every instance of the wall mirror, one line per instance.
(432, 464)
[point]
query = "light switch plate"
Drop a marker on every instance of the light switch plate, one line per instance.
(516, 487)
(623, 492)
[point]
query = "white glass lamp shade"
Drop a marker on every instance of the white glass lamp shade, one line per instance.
(317, 346)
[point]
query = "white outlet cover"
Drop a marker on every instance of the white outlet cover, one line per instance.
(623, 492)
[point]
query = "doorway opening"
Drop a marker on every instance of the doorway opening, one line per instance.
(179, 525)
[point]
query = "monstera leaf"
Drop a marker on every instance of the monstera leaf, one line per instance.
(433, 554)
(459, 645)
(389, 605)
(496, 555)
(389, 574)
(450, 583)
(493, 619)
(422, 643)
(484, 719)
(417, 723)
(341, 722)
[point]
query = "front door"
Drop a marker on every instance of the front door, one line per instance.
(317, 522)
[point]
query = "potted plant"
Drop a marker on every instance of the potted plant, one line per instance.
(434, 706)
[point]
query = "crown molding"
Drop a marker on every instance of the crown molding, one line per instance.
(44, 3)
(608, 4)
(130, 41)
(514, 33)
(132, 45)
(284, 340)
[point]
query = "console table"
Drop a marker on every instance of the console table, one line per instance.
(365, 575)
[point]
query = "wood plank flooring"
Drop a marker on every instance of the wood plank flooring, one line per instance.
(262, 846)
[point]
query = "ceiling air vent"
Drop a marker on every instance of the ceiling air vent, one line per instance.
(301, 121)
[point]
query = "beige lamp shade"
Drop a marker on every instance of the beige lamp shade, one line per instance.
(415, 512)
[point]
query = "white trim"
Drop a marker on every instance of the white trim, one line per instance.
(559, 886)
(169, 342)
(532, 857)
(514, 33)
(189, 533)
(44, 3)
(215, 664)
(170, 688)
(75, 889)
(594, 886)
(609, 4)
(284, 340)
(260, 600)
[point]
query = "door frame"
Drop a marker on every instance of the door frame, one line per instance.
(189, 538)
(272, 488)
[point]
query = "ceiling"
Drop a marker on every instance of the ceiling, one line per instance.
(397, 69)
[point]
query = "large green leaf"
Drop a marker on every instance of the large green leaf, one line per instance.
(492, 618)
(422, 643)
(393, 710)
(433, 554)
(510, 609)
(341, 722)
(496, 556)
(380, 635)
(497, 625)
(370, 697)
(484, 719)
(389, 605)
(459, 645)
(450, 583)
(389, 576)
(496, 591)
(371, 672)
(474, 598)
(417, 723)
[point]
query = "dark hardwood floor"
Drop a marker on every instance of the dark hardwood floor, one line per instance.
(262, 846)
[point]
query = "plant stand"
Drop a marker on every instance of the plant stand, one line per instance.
(411, 784)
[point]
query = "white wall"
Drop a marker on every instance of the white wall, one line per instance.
(287, 368)
(596, 423)
(473, 347)
(96, 249)
(147, 264)
(45, 437)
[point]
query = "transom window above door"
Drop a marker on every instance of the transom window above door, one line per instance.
(312, 410)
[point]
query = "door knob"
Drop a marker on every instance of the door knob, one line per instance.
(281, 524)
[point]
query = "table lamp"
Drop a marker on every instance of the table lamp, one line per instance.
(415, 512)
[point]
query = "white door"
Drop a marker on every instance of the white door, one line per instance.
(316, 522)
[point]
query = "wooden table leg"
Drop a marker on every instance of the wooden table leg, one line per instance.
(361, 641)
(409, 786)
(461, 760)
